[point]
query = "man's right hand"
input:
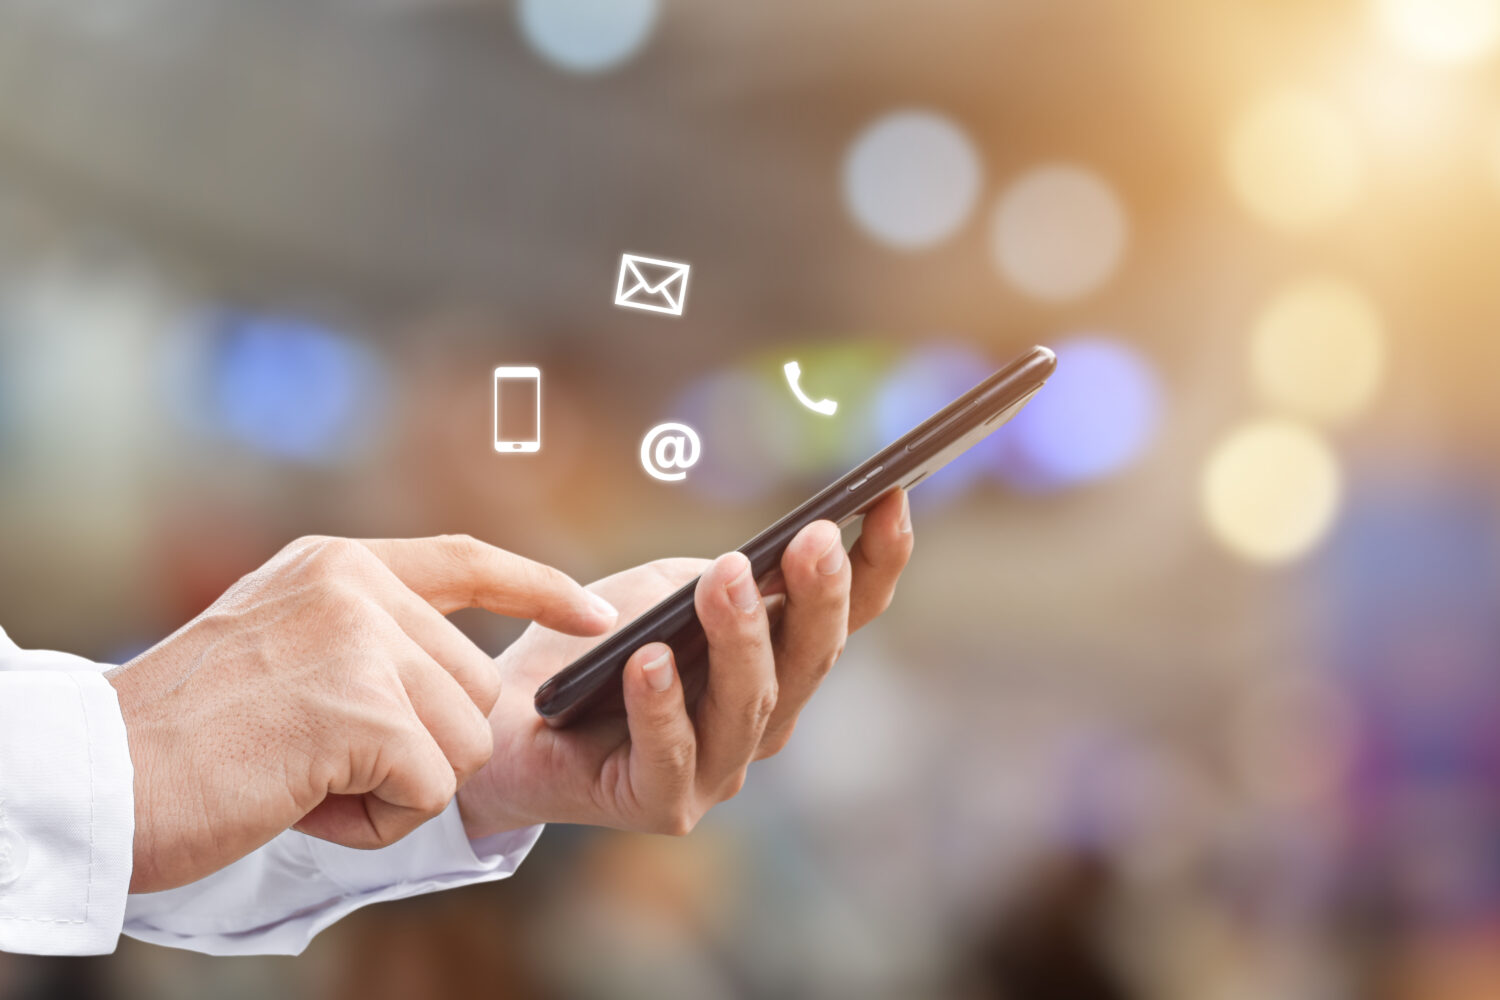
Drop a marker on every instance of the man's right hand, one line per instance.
(325, 691)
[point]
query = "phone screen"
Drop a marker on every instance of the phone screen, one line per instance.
(517, 409)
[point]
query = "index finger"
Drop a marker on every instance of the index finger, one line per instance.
(456, 571)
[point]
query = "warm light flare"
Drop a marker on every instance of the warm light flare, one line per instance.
(1270, 491)
(1295, 162)
(1318, 350)
(1445, 31)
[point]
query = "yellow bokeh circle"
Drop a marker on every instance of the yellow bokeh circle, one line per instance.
(1295, 162)
(1318, 350)
(1443, 31)
(1271, 490)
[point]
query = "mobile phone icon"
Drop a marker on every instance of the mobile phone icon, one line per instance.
(793, 370)
(518, 409)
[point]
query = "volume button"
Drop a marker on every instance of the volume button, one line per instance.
(919, 442)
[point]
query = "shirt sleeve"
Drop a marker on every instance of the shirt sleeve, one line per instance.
(67, 825)
(67, 807)
(276, 900)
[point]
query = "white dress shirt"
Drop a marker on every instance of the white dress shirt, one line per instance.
(67, 823)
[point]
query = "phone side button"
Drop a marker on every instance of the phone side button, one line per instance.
(868, 476)
(922, 441)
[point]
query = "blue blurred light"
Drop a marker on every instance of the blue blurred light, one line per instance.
(750, 439)
(586, 36)
(291, 388)
(928, 380)
(1095, 416)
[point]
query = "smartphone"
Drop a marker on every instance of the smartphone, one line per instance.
(592, 683)
(518, 409)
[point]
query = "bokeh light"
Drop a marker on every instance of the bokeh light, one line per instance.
(1270, 491)
(911, 179)
(283, 386)
(586, 36)
(1098, 413)
(1445, 31)
(73, 339)
(1295, 161)
(1494, 157)
(847, 371)
(928, 380)
(749, 433)
(1318, 350)
(1059, 233)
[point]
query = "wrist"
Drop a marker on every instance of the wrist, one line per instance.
(144, 875)
(480, 816)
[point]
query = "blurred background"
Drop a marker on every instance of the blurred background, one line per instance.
(1192, 690)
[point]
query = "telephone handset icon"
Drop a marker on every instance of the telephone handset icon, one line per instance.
(793, 370)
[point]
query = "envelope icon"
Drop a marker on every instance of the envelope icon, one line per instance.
(651, 284)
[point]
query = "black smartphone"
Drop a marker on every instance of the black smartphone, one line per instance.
(592, 682)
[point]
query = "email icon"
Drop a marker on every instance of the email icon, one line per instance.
(651, 284)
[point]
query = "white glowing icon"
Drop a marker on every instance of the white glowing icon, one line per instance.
(518, 409)
(669, 450)
(793, 370)
(652, 284)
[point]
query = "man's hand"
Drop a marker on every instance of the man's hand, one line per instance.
(327, 691)
(665, 764)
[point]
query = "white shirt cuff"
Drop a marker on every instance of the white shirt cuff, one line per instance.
(67, 812)
(275, 901)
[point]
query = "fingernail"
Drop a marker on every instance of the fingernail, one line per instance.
(743, 593)
(832, 558)
(659, 672)
(602, 608)
(904, 524)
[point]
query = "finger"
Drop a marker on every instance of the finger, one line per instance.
(376, 809)
(638, 589)
(663, 746)
(814, 626)
(460, 730)
(477, 675)
(741, 692)
(456, 571)
(878, 557)
(418, 787)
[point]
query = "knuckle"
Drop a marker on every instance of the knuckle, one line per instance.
(774, 743)
(733, 786)
(303, 543)
(541, 579)
(757, 711)
(475, 747)
(487, 686)
(678, 755)
(435, 795)
(462, 553)
(554, 579)
(678, 821)
(337, 556)
(460, 546)
(822, 668)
